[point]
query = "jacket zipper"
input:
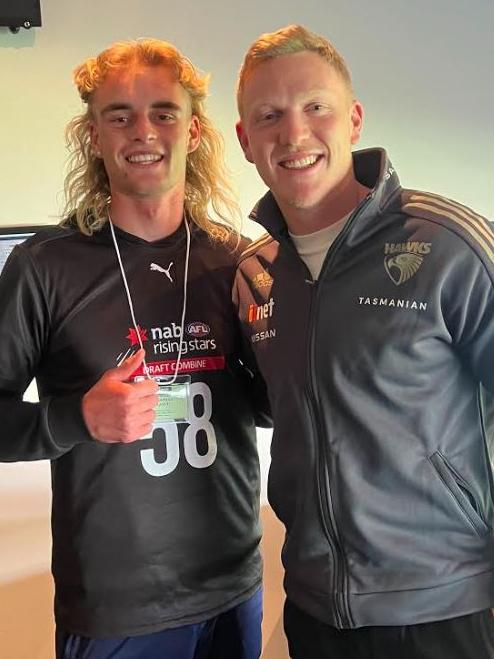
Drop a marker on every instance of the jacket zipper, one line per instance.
(342, 609)
(323, 486)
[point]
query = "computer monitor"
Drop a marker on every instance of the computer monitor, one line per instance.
(13, 235)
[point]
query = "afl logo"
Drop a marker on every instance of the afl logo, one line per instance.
(197, 329)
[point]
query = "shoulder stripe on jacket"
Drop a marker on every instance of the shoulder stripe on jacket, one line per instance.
(439, 208)
(256, 245)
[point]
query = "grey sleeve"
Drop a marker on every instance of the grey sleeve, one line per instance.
(469, 314)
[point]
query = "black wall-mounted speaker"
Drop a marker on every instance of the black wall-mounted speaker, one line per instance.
(20, 13)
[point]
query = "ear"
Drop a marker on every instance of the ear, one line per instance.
(194, 134)
(244, 140)
(357, 120)
(94, 139)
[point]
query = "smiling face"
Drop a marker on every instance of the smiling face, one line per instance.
(298, 124)
(143, 129)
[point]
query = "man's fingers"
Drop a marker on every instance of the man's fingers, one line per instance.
(145, 389)
(138, 399)
(131, 429)
(125, 371)
(127, 368)
(120, 411)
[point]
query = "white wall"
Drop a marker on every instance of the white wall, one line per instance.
(422, 69)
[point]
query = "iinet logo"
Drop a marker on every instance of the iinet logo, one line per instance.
(260, 312)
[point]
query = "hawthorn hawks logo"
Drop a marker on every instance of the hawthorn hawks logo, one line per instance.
(403, 260)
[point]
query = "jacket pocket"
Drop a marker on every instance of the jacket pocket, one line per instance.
(462, 495)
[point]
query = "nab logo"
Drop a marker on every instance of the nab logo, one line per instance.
(260, 312)
(133, 336)
(198, 329)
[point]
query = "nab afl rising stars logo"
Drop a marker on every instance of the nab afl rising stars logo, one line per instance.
(402, 260)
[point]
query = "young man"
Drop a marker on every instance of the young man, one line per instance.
(155, 543)
(371, 312)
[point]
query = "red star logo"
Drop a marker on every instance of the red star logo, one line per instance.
(133, 336)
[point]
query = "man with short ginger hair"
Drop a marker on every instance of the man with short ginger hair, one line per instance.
(379, 369)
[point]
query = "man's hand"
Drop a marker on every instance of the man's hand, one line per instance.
(116, 410)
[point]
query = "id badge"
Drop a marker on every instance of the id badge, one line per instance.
(173, 399)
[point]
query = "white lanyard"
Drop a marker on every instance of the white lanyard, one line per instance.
(131, 306)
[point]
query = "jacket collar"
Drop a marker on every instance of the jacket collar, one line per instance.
(372, 168)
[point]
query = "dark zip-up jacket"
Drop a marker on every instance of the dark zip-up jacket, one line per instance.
(161, 532)
(380, 376)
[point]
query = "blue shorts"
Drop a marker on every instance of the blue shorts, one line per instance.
(234, 634)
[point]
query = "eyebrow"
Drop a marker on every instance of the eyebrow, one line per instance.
(303, 97)
(160, 105)
(311, 94)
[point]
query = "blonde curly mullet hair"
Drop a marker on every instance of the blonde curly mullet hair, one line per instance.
(87, 189)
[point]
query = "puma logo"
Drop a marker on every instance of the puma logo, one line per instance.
(166, 271)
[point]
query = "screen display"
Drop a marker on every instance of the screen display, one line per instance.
(12, 236)
(9, 238)
(15, 13)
